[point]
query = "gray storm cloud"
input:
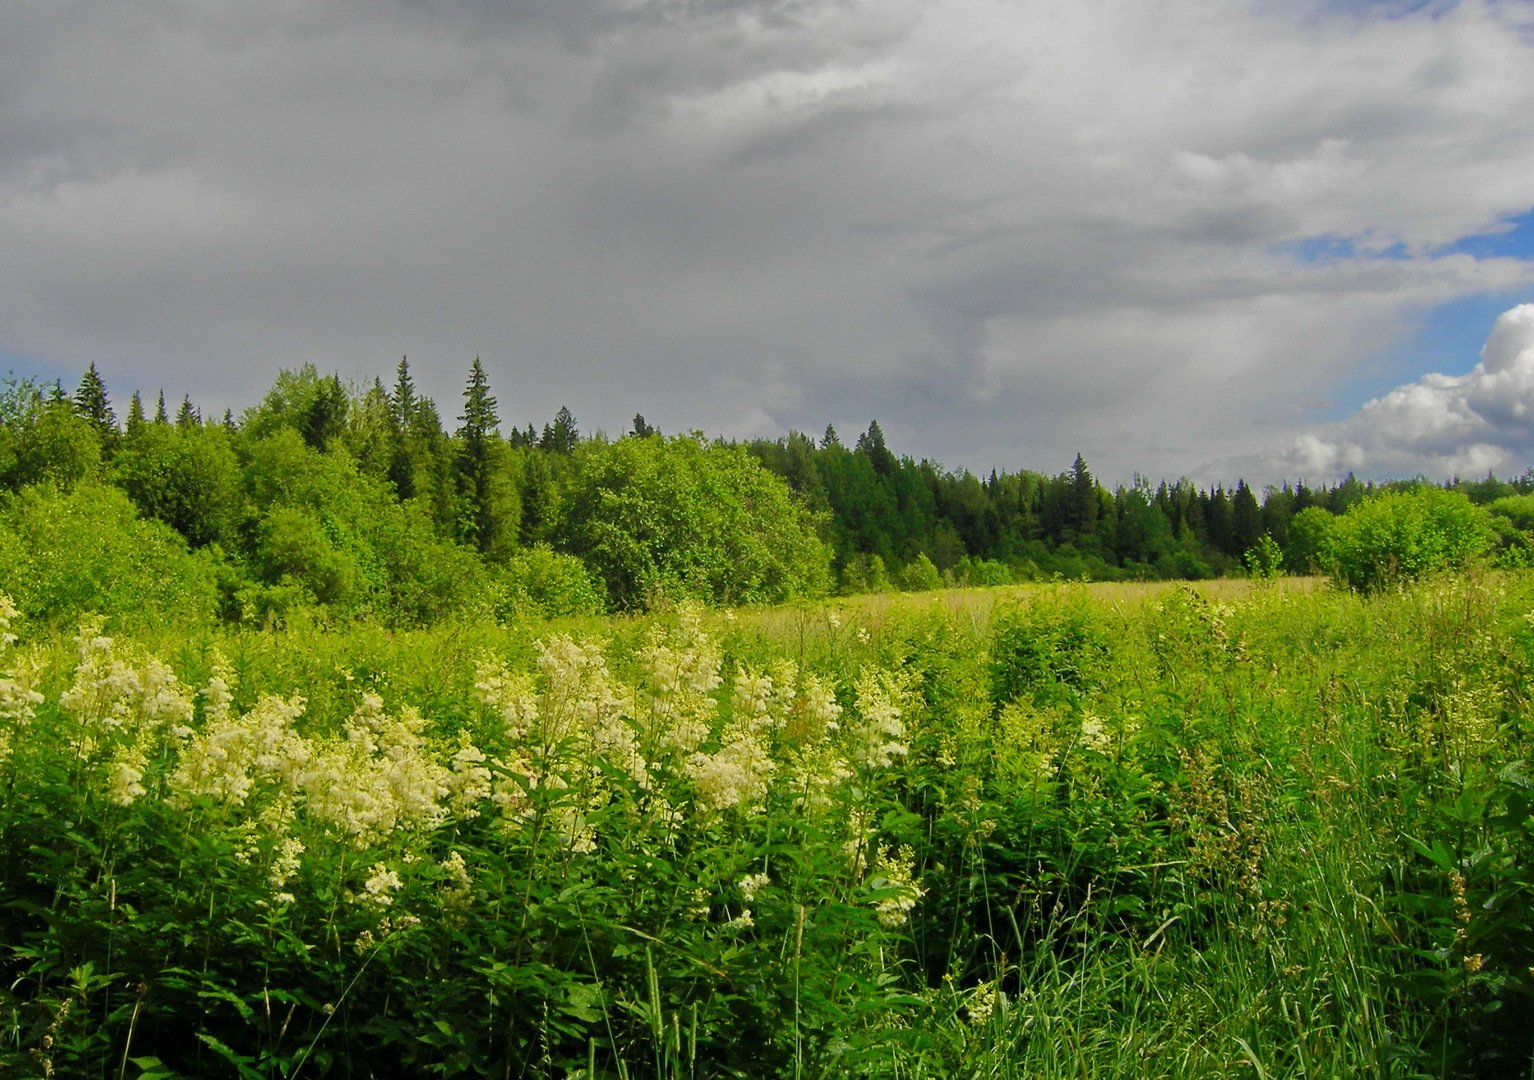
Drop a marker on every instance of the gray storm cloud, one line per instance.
(1009, 232)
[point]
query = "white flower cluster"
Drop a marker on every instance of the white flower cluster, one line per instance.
(379, 778)
(18, 701)
(879, 734)
(894, 884)
(123, 712)
(682, 672)
(234, 754)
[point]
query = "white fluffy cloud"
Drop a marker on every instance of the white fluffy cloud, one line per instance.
(1007, 231)
(1440, 425)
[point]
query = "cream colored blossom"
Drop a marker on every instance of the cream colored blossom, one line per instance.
(752, 884)
(457, 887)
(737, 774)
(285, 864)
(125, 773)
(229, 757)
(378, 891)
(1094, 734)
(892, 877)
(878, 736)
(983, 1001)
(681, 672)
(380, 778)
(218, 695)
(470, 780)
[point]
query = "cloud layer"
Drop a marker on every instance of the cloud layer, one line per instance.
(1009, 232)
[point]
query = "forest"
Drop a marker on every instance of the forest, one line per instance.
(371, 502)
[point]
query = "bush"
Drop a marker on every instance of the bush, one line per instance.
(1403, 535)
(920, 575)
(1053, 648)
(548, 584)
(682, 519)
(65, 554)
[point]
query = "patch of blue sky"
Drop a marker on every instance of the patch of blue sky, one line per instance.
(1446, 339)
(19, 367)
(1514, 241)
(1390, 9)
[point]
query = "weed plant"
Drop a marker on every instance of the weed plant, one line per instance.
(1013, 833)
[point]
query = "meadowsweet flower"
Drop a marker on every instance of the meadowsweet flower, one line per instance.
(457, 887)
(983, 1001)
(737, 774)
(470, 780)
(228, 758)
(1094, 734)
(818, 713)
(218, 695)
(378, 891)
(125, 774)
(878, 737)
(8, 617)
(753, 694)
(512, 696)
(752, 884)
(285, 864)
(898, 891)
(681, 672)
(379, 779)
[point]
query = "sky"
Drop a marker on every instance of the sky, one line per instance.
(1220, 239)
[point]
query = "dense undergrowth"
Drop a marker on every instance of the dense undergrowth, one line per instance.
(1257, 832)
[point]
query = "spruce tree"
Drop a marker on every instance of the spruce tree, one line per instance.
(475, 441)
(402, 401)
(1081, 513)
(92, 405)
(188, 416)
(135, 421)
(561, 436)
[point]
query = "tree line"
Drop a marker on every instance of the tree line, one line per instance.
(365, 500)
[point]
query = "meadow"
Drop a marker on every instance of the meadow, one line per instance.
(1238, 829)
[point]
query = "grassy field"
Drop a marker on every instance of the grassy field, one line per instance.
(1239, 829)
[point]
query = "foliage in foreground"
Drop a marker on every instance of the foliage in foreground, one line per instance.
(1283, 835)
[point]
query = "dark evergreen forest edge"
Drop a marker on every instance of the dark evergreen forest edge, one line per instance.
(346, 502)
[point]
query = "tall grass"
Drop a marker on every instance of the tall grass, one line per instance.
(1057, 831)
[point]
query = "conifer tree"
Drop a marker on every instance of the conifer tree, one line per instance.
(402, 401)
(561, 436)
(92, 405)
(188, 416)
(476, 435)
(160, 415)
(135, 422)
(1081, 512)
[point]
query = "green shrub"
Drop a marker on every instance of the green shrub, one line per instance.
(681, 519)
(63, 554)
(920, 575)
(1403, 535)
(1055, 647)
(545, 583)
